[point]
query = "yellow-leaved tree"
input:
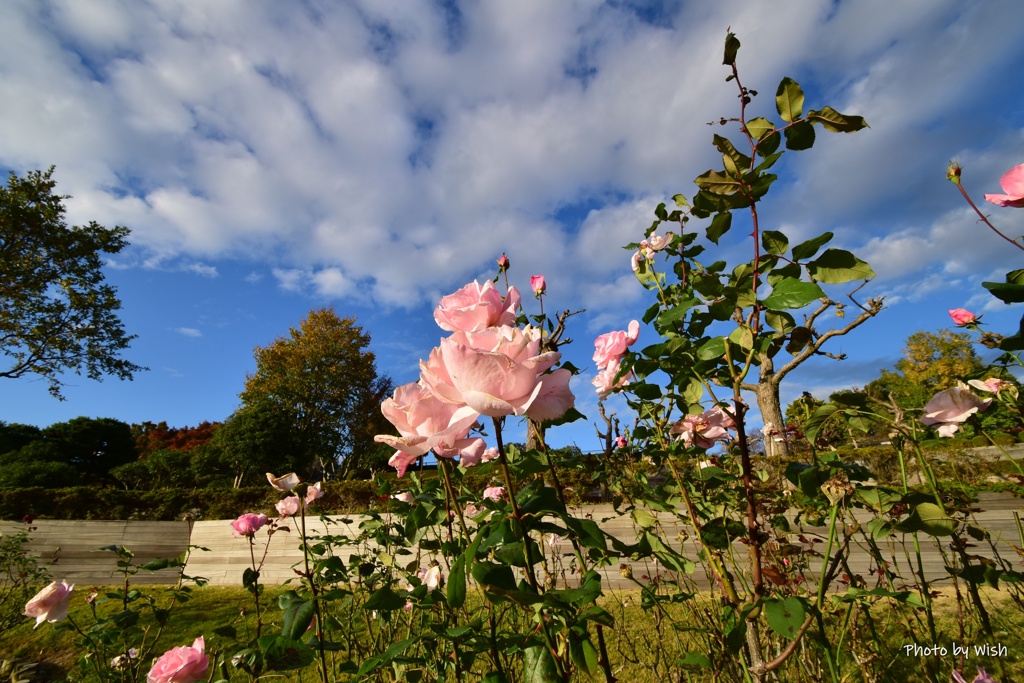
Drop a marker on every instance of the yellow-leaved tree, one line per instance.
(324, 378)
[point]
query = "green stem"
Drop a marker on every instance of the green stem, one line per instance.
(317, 609)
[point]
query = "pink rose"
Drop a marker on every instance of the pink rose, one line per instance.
(612, 345)
(992, 385)
(951, 407)
(620, 442)
(705, 429)
(538, 285)
(473, 454)
(475, 307)
(495, 493)
(286, 507)
(284, 483)
(404, 497)
(432, 577)
(499, 371)
(1012, 183)
(401, 461)
(962, 317)
(181, 664)
(248, 524)
(658, 243)
(490, 454)
(50, 604)
(425, 423)
(314, 492)
(605, 381)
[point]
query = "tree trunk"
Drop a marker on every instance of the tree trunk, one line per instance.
(770, 405)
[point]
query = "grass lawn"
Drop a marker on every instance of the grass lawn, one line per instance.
(644, 646)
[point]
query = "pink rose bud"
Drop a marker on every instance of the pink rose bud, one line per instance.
(620, 442)
(50, 604)
(953, 172)
(538, 285)
(181, 664)
(503, 263)
(962, 317)
(248, 524)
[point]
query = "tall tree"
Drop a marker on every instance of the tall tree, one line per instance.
(324, 375)
(57, 313)
(932, 361)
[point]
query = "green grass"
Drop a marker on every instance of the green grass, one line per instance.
(644, 646)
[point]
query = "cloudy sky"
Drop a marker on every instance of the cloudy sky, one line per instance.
(373, 155)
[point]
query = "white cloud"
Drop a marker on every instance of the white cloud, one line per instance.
(188, 331)
(393, 149)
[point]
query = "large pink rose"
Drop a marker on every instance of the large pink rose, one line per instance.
(181, 664)
(605, 381)
(612, 345)
(248, 524)
(51, 603)
(1012, 183)
(705, 429)
(475, 307)
(425, 423)
(499, 371)
(951, 407)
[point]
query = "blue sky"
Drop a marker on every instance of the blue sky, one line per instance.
(271, 158)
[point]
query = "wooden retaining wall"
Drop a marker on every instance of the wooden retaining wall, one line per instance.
(70, 545)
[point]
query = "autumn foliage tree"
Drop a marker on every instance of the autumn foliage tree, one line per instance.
(323, 375)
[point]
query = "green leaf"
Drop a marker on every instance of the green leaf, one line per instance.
(789, 100)
(539, 666)
(774, 242)
(643, 518)
(834, 122)
(929, 518)
(1010, 293)
(780, 320)
(836, 266)
(798, 339)
(716, 182)
(285, 654)
(785, 617)
(818, 420)
(792, 294)
(712, 349)
(647, 392)
(799, 136)
(732, 46)
(693, 661)
(742, 337)
(810, 247)
(729, 151)
(385, 600)
(297, 618)
(456, 586)
(759, 127)
(766, 149)
(720, 225)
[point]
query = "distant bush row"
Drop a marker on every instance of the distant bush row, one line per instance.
(86, 502)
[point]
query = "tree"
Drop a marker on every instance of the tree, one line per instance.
(932, 361)
(57, 313)
(93, 446)
(257, 438)
(323, 375)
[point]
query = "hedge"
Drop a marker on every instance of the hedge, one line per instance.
(344, 497)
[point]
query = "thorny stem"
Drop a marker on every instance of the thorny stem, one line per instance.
(520, 528)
